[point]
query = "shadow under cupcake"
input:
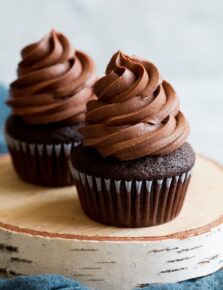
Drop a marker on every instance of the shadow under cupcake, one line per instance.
(134, 166)
(48, 102)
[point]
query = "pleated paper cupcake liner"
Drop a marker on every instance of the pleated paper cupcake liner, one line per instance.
(41, 164)
(131, 203)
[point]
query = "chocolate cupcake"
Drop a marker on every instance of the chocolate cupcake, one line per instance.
(134, 166)
(48, 102)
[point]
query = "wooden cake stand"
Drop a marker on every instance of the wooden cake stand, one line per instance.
(44, 230)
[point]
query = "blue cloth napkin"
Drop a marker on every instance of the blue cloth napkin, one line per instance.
(4, 111)
(41, 282)
(58, 282)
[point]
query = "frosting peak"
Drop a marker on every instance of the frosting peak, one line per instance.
(54, 82)
(136, 114)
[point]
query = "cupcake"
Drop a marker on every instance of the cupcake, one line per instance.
(48, 102)
(134, 166)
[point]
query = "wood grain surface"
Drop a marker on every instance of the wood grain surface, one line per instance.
(47, 211)
(43, 230)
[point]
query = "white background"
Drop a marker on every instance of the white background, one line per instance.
(183, 37)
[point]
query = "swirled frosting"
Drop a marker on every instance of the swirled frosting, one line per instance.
(54, 82)
(136, 113)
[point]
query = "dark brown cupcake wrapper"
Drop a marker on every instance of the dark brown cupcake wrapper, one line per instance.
(131, 203)
(41, 164)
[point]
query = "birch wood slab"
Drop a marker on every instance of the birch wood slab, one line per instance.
(44, 230)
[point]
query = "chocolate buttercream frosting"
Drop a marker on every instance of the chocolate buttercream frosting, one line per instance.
(54, 82)
(136, 113)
